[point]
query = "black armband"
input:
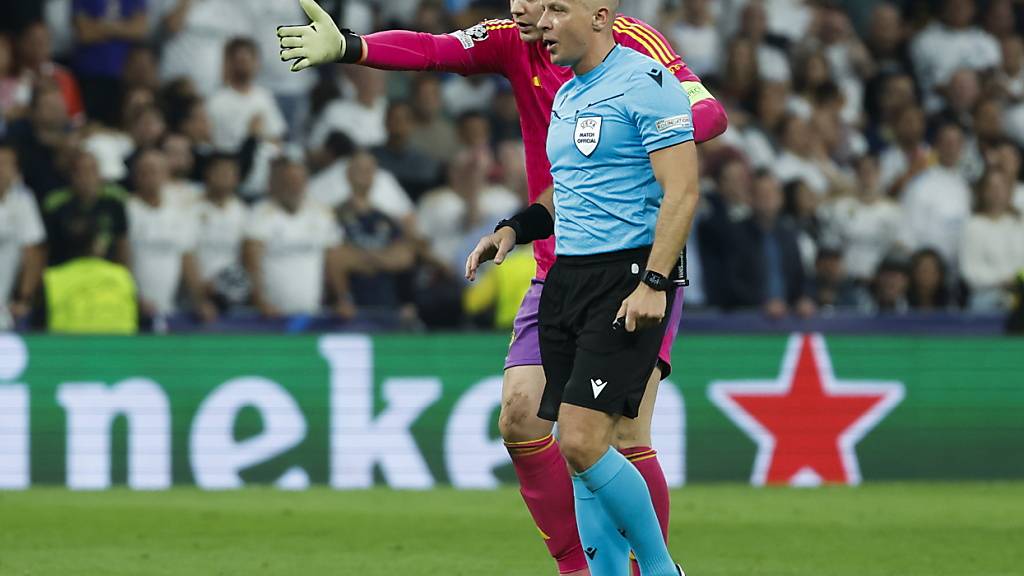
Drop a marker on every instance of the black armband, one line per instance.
(353, 47)
(534, 223)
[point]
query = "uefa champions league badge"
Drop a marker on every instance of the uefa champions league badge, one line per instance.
(588, 134)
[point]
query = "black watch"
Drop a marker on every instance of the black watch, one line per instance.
(656, 281)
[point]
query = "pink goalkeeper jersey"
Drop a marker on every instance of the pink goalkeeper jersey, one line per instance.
(494, 46)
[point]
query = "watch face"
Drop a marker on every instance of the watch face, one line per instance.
(655, 280)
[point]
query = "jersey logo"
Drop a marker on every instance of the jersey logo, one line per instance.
(657, 76)
(588, 134)
(470, 36)
(598, 386)
(681, 122)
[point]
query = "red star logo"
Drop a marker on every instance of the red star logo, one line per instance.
(806, 423)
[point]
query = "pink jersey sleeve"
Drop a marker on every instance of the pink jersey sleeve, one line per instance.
(482, 49)
(709, 117)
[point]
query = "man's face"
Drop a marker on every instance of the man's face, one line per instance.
(50, 111)
(526, 14)
(361, 172)
(179, 155)
(35, 45)
(243, 65)
(150, 173)
(85, 176)
(949, 144)
(958, 13)
(886, 27)
(567, 26)
(766, 200)
(288, 183)
(222, 177)
(400, 122)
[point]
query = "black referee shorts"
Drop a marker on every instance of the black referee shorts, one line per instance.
(586, 361)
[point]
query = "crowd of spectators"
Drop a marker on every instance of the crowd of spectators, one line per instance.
(872, 163)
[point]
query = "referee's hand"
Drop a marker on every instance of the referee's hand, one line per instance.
(645, 308)
(491, 247)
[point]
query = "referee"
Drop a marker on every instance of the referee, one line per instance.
(625, 170)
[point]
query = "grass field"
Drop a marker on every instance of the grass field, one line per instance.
(897, 529)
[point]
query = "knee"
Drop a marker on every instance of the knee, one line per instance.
(518, 420)
(580, 451)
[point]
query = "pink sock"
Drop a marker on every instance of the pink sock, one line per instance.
(547, 490)
(646, 461)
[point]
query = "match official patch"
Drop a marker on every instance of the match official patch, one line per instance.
(681, 122)
(470, 36)
(588, 134)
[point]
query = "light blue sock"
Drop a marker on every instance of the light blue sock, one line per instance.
(607, 551)
(623, 494)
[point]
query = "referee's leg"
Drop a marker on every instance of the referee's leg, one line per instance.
(605, 475)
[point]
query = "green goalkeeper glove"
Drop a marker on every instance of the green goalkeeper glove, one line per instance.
(320, 42)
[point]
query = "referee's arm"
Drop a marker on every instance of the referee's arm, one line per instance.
(675, 168)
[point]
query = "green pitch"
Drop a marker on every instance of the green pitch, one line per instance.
(905, 530)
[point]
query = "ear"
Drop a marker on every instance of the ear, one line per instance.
(601, 19)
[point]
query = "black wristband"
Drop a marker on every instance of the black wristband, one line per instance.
(353, 47)
(534, 223)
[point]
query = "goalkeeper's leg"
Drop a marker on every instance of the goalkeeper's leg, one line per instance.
(543, 475)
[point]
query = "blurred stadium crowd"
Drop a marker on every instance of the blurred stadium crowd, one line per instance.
(159, 148)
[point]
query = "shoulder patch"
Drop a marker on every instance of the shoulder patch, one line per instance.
(470, 36)
(681, 122)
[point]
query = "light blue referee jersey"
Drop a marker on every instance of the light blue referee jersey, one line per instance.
(604, 126)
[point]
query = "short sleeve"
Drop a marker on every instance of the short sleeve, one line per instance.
(660, 109)
(275, 122)
(31, 230)
(388, 196)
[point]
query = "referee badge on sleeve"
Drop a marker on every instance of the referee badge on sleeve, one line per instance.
(588, 134)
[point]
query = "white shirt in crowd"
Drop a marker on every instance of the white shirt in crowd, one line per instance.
(992, 253)
(196, 52)
(754, 142)
(221, 231)
(939, 51)
(331, 188)
(442, 215)
(365, 126)
(232, 112)
(461, 95)
(936, 205)
(1013, 123)
(867, 232)
(265, 17)
(20, 227)
(294, 253)
(185, 192)
(159, 237)
(111, 149)
(700, 47)
(789, 167)
(773, 64)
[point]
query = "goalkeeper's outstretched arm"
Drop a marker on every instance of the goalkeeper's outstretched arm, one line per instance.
(323, 42)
